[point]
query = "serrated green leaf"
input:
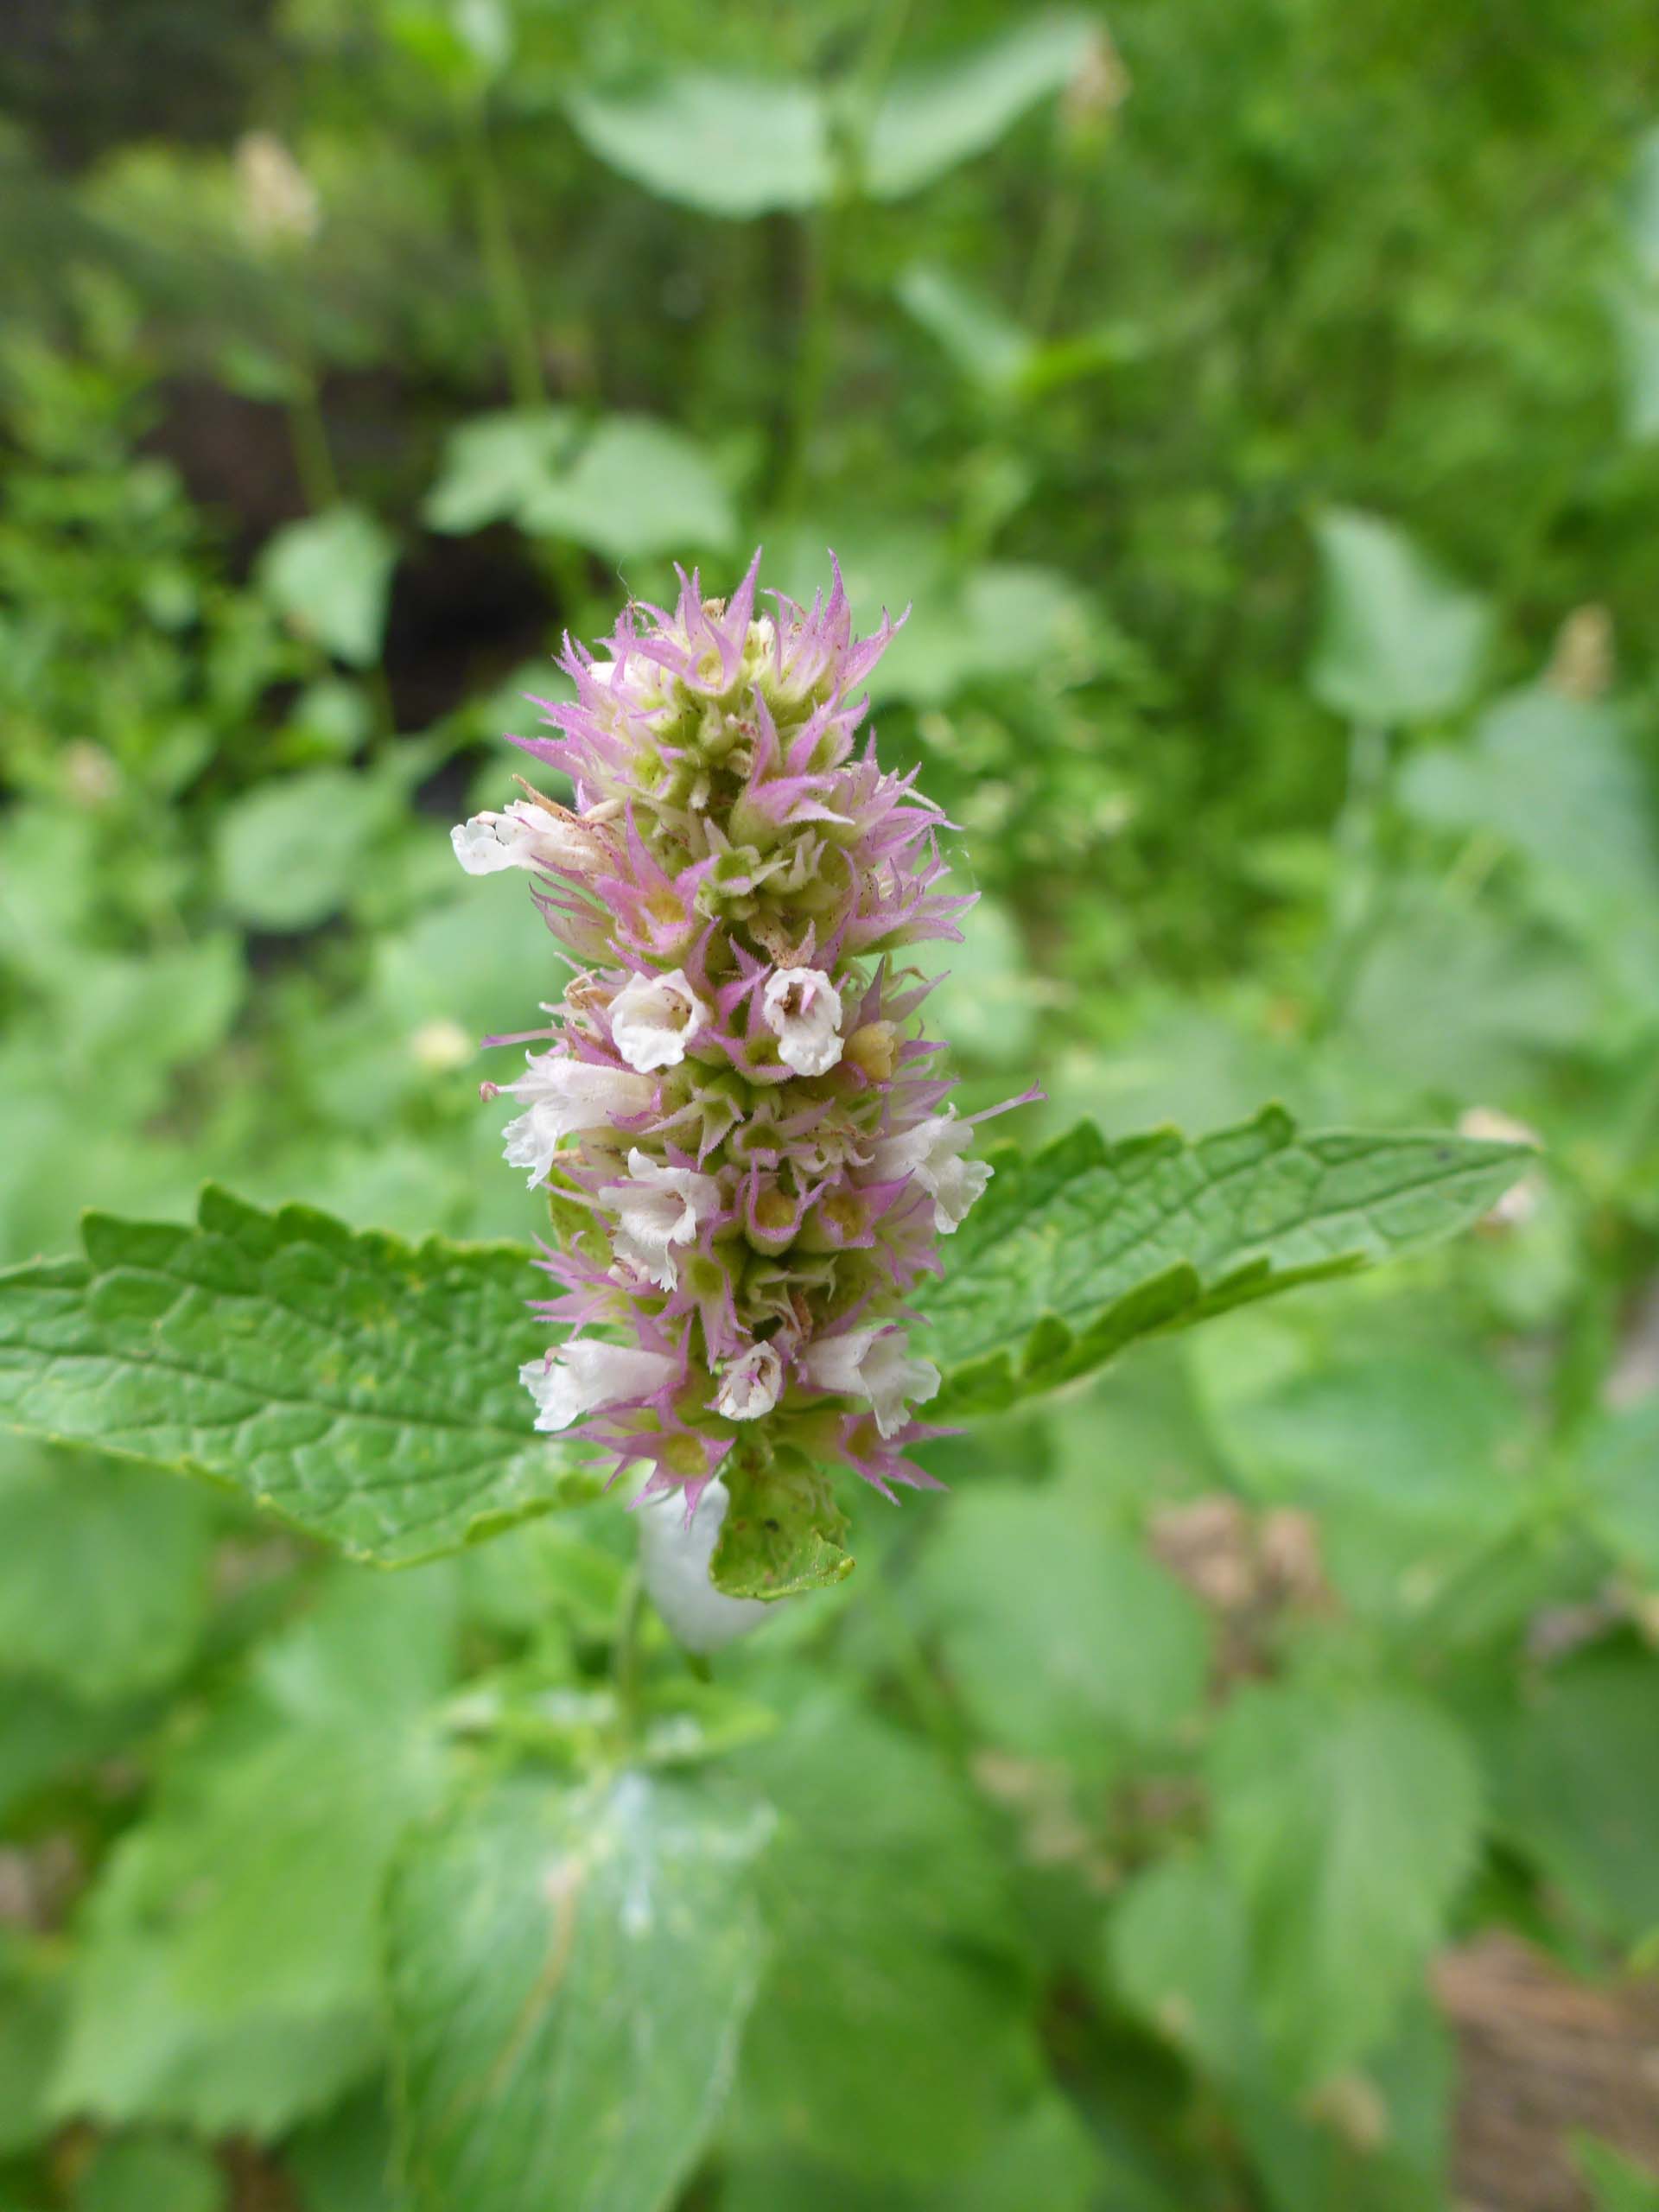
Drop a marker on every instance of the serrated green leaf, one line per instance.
(783, 1533)
(1347, 1823)
(1076, 1250)
(360, 1389)
(1057, 1631)
(569, 1970)
(1399, 642)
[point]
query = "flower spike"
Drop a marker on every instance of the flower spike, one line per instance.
(750, 1156)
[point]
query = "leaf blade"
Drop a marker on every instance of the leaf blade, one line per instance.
(1399, 640)
(1076, 1250)
(1348, 1823)
(568, 1973)
(728, 145)
(359, 1387)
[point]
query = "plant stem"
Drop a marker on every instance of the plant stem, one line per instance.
(811, 354)
(823, 237)
(509, 294)
(307, 428)
(624, 1656)
(1353, 904)
(1051, 256)
(926, 1695)
(515, 324)
(880, 52)
(308, 434)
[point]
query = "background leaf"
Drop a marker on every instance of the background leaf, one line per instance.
(291, 852)
(228, 1975)
(132, 1547)
(569, 1971)
(1559, 782)
(330, 578)
(493, 464)
(636, 487)
(933, 119)
(1348, 1824)
(729, 145)
(142, 2173)
(1398, 642)
(1575, 1765)
(881, 1860)
(1059, 1635)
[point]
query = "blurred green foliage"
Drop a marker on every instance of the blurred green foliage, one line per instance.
(1260, 408)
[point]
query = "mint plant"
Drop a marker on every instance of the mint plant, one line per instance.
(774, 1245)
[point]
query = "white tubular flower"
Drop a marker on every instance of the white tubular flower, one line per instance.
(565, 1096)
(658, 1208)
(523, 836)
(584, 1376)
(1520, 1201)
(654, 1018)
(751, 1385)
(279, 204)
(674, 1561)
(802, 1007)
(932, 1154)
(873, 1364)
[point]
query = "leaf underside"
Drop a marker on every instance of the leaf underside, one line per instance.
(361, 1389)
(1077, 1249)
